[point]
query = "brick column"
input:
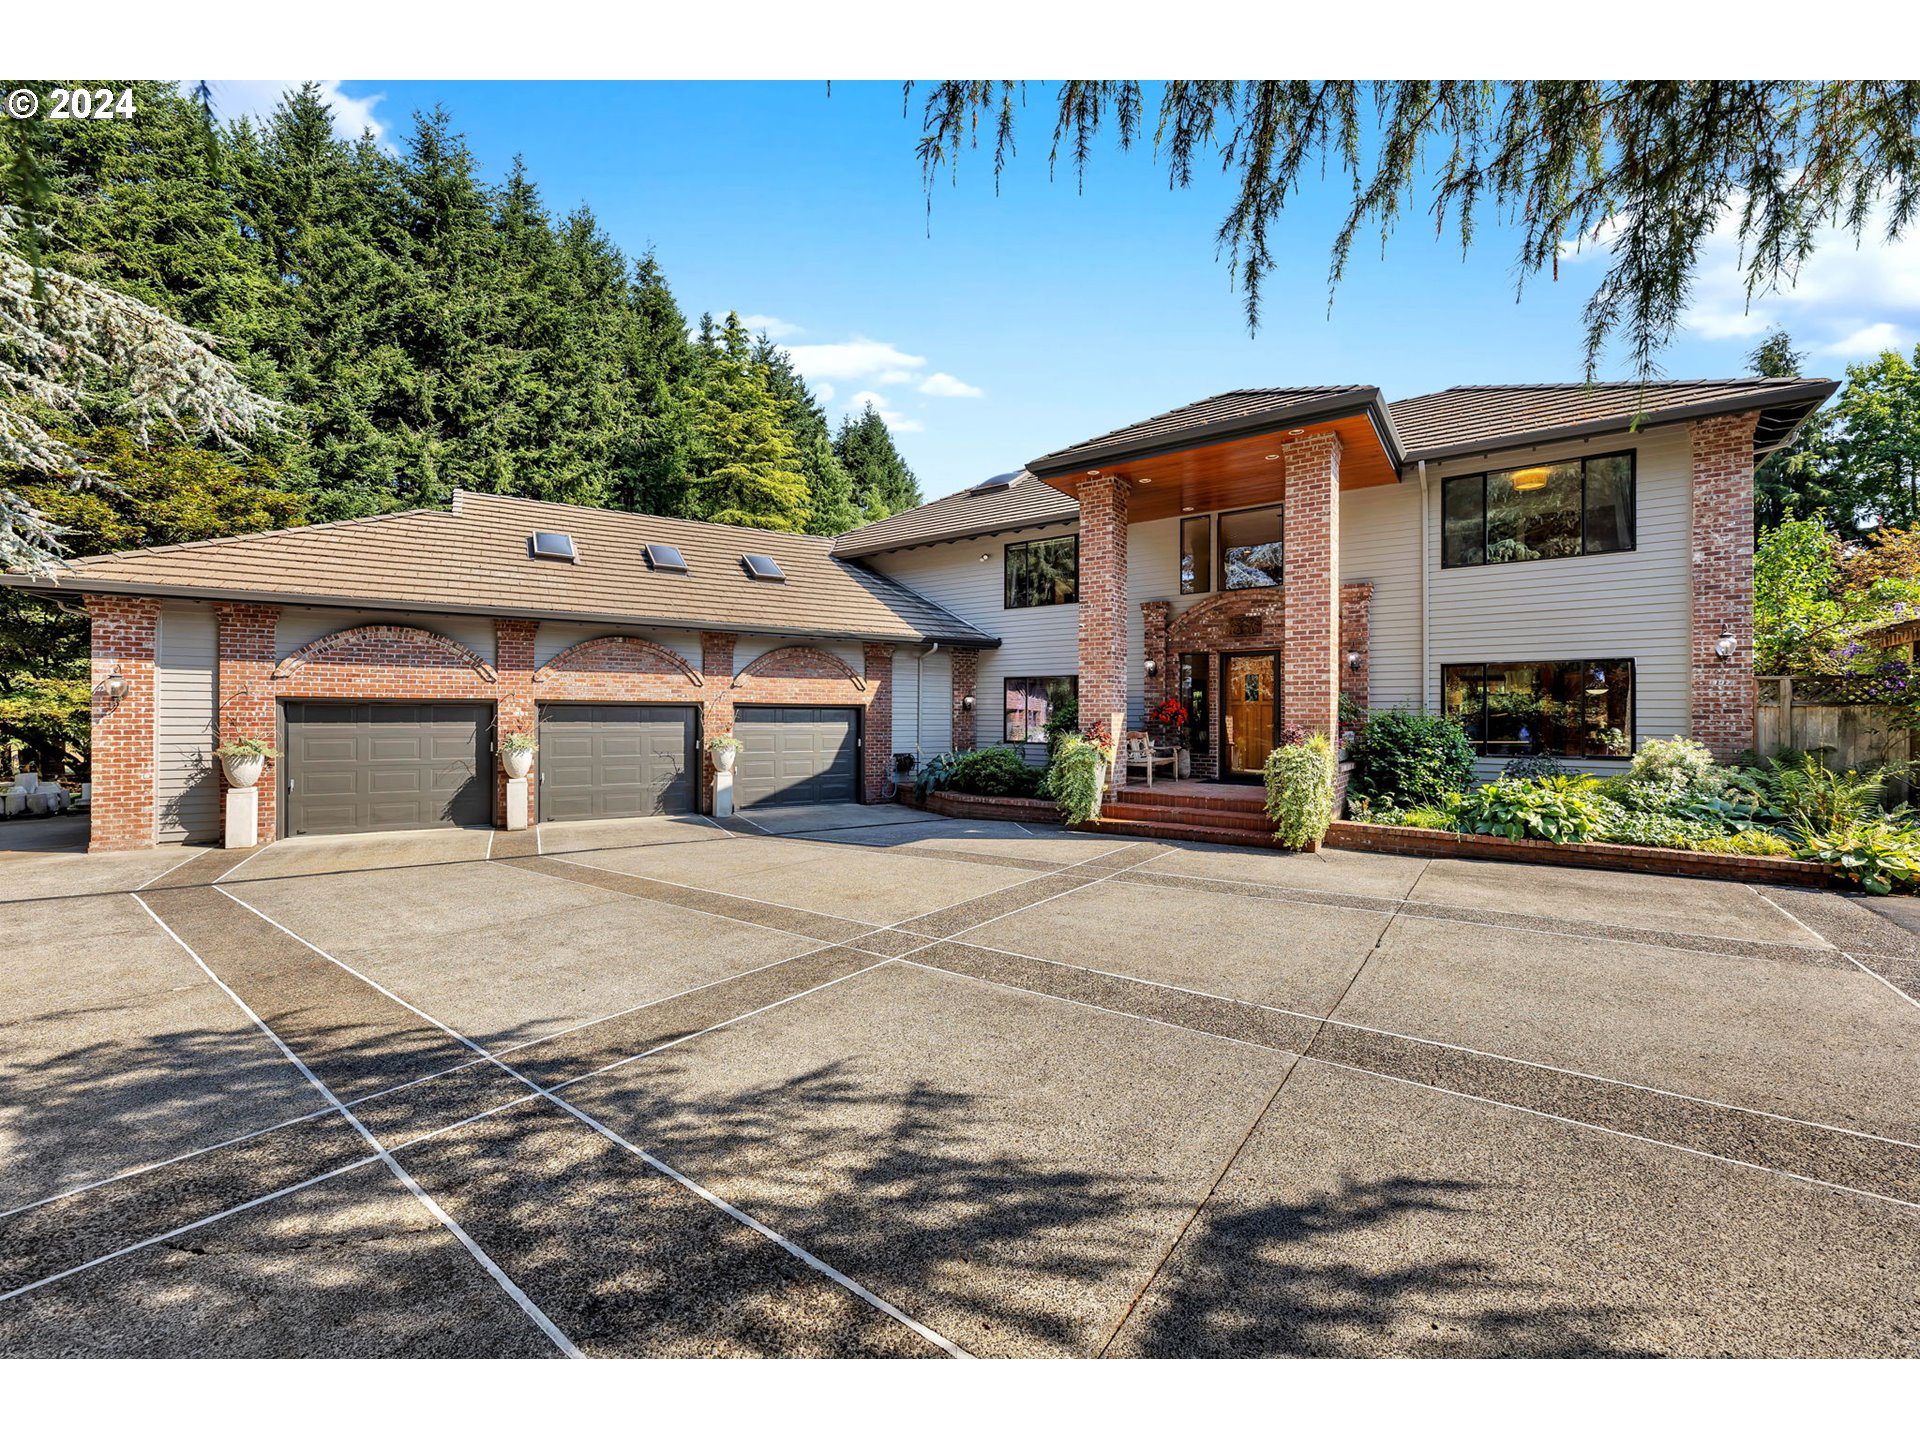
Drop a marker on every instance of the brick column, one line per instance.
(247, 651)
(125, 735)
(517, 710)
(1722, 692)
(716, 703)
(966, 674)
(877, 734)
(1310, 532)
(1103, 606)
(1356, 607)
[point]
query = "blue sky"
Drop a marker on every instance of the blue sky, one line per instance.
(1002, 326)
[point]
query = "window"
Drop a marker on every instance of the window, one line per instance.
(1043, 572)
(666, 557)
(1196, 555)
(1538, 512)
(763, 567)
(1031, 703)
(1192, 682)
(550, 545)
(1579, 708)
(1250, 549)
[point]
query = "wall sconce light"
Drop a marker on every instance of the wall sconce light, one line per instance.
(985, 556)
(1353, 659)
(1727, 644)
(966, 702)
(117, 687)
(1153, 667)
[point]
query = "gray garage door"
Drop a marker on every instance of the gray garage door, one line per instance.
(796, 755)
(351, 768)
(601, 762)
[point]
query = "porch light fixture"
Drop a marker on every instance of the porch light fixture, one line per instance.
(117, 687)
(1534, 477)
(966, 702)
(1727, 644)
(1353, 659)
(1153, 667)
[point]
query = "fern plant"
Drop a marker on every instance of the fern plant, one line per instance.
(1300, 792)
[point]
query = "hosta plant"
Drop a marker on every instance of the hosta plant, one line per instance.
(1533, 810)
(1878, 854)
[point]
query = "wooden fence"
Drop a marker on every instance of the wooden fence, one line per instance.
(1851, 736)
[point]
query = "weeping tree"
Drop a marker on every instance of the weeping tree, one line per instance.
(1644, 171)
(77, 352)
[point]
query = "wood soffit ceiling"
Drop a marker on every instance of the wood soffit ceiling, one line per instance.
(1237, 473)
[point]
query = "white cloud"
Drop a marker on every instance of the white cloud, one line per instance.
(772, 326)
(823, 391)
(896, 422)
(1870, 340)
(855, 359)
(1851, 298)
(352, 114)
(949, 387)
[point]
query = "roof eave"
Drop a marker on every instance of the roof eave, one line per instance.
(963, 532)
(77, 584)
(1807, 398)
(1362, 400)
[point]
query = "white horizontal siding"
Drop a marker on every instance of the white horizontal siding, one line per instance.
(300, 624)
(1380, 543)
(922, 701)
(186, 777)
(555, 636)
(1633, 605)
(1039, 640)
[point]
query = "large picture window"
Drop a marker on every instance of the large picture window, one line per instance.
(1031, 702)
(1196, 554)
(1043, 572)
(1538, 512)
(1577, 708)
(1250, 549)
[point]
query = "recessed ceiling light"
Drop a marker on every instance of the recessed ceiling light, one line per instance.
(1273, 457)
(1186, 507)
(1093, 472)
(1145, 481)
(1297, 430)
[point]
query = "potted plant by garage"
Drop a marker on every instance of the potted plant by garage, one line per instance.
(243, 760)
(516, 754)
(725, 750)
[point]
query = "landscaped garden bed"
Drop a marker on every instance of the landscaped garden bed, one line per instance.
(1649, 859)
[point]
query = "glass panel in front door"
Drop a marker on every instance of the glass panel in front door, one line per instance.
(1250, 695)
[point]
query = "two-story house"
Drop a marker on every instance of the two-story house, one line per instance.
(1567, 568)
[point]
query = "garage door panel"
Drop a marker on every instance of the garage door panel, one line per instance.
(797, 755)
(603, 762)
(353, 768)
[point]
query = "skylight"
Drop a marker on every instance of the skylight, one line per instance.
(998, 482)
(666, 557)
(763, 567)
(550, 545)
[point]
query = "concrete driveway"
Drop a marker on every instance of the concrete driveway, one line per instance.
(881, 1084)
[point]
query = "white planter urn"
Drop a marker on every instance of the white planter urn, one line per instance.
(243, 771)
(723, 760)
(516, 763)
(1099, 786)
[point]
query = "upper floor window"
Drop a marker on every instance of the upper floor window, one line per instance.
(1249, 549)
(1196, 554)
(1538, 512)
(1043, 572)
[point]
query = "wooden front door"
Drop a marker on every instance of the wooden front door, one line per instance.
(1250, 705)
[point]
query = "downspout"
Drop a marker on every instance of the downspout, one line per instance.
(1426, 667)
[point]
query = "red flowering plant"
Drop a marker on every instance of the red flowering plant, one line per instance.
(1171, 719)
(1101, 738)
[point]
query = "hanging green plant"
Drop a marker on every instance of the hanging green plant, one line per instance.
(1300, 792)
(1076, 776)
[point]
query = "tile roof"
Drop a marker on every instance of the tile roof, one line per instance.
(1470, 418)
(473, 559)
(1224, 412)
(1022, 503)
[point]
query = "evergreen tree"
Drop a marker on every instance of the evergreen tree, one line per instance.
(831, 510)
(882, 483)
(745, 466)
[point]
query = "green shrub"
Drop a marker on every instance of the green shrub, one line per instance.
(1063, 719)
(995, 771)
(1533, 810)
(1678, 763)
(1532, 767)
(1747, 842)
(1427, 817)
(1073, 778)
(1650, 827)
(1300, 791)
(1879, 854)
(1410, 758)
